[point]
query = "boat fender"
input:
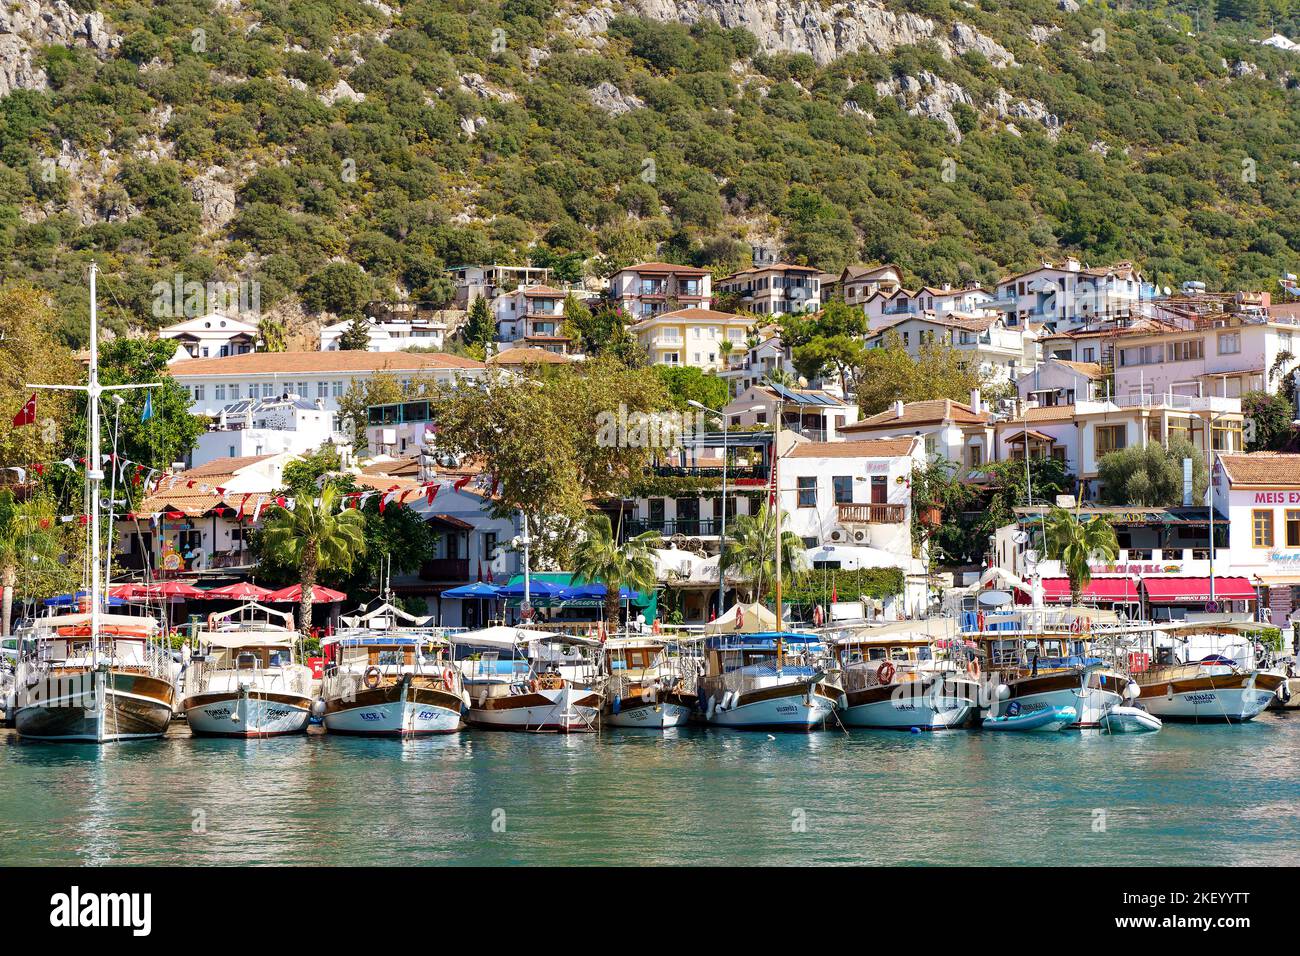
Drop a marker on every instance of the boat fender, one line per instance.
(1003, 691)
(1132, 691)
(726, 701)
(482, 698)
(916, 730)
(617, 705)
(652, 693)
(318, 707)
(713, 703)
(372, 677)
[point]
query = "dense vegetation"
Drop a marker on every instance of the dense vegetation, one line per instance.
(731, 145)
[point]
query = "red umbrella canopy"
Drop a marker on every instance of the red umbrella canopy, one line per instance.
(319, 595)
(243, 591)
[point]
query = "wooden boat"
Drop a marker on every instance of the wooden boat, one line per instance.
(643, 687)
(1205, 672)
(514, 681)
(94, 679)
(900, 677)
(245, 680)
(767, 681)
(1048, 670)
(91, 676)
(1042, 720)
(391, 684)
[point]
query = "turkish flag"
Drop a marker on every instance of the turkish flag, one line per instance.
(27, 414)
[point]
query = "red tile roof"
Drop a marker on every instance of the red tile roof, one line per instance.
(297, 363)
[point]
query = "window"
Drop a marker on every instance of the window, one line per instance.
(976, 455)
(336, 389)
(322, 389)
(1109, 438)
(198, 393)
(808, 492)
(1261, 524)
(1292, 528)
(1229, 343)
(234, 390)
(1187, 351)
(842, 486)
(219, 392)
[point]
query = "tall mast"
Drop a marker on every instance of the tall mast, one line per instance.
(94, 473)
(776, 485)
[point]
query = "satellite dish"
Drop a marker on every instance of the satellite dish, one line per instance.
(995, 598)
(1020, 537)
(1031, 556)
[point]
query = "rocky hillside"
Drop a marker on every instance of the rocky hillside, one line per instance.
(332, 150)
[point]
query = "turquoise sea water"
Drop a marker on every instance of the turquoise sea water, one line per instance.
(1187, 795)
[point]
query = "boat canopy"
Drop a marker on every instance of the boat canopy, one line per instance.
(226, 618)
(395, 639)
(762, 640)
(124, 623)
(754, 619)
(234, 640)
(501, 636)
(380, 616)
(926, 630)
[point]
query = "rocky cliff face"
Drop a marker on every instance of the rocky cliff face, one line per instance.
(27, 24)
(824, 31)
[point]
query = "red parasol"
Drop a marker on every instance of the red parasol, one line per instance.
(319, 595)
(243, 591)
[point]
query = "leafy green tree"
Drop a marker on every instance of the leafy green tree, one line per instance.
(169, 432)
(340, 287)
(271, 334)
(1268, 421)
(1151, 476)
(888, 373)
(751, 549)
(30, 546)
(315, 536)
(479, 329)
(688, 383)
(828, 340)
(600, 558)
(28, 352)
(1075, 542)
(356, 337)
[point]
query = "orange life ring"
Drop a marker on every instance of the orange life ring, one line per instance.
(885, 673)
(974, 667)
(532, 685)
(376, 673)
(448, 678)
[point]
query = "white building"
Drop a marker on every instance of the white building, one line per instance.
(211, 336)
(946, 429)
(390, 334)
(1000, 352)
(533, 316)
(268, 426)
(890, 303)
(857, 284)
(1258, 498)
(648, 288)
(1069, 293)
(851, 504)
(812, 413)
(777, 288)
(487, 282)
(214, 383)
(1061, 382)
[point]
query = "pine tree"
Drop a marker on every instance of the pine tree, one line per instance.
(479, 329)
(356, 337)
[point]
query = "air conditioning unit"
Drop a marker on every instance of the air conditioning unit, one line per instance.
(860, 536)
(839, 534)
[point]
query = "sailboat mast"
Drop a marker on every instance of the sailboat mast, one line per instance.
(776, 485)
(94, 473)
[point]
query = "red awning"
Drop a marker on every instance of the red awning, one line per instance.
(1116, 590)
(1197, 590)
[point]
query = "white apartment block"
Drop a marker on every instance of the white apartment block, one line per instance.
(390, 334)
(532, 316)
(475, 282)
(649, 288)
(1069, 293)
(211, 336)
(214, 383)
(857, 284)
(999, 351)
(268, 426)
(775, 289)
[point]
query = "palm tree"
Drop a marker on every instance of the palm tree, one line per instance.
(27, 540)
(272, 335)
(1074, 543)
(314, 537)
(599, 558)
(751, 549)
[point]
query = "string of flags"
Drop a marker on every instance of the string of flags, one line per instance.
(152, 481)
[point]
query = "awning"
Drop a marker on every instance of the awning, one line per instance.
(1197, 590)
(1117, 590)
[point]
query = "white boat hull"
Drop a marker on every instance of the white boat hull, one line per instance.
(655, 716)
(247, 716)
(799, 709)
(396, 718)
(905, 713)
(1129, 720)
(1218, 704)
(566, 710)
(1090, 705)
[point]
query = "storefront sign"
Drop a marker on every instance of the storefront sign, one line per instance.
(1277, 497)
(1130, 568)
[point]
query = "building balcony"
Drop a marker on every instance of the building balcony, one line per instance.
(445, 569)
(872, 514)
(668, 527)
(734, 472)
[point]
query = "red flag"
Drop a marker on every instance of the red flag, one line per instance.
(431, 493)
(462, 482)
(27, 414)
(480, 569)
(834, 594)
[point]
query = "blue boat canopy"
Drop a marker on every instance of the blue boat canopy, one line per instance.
(69, 600)
(761, 640)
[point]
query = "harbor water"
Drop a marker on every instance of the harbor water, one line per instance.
(1225, 795)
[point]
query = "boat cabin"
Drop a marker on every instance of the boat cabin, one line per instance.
(731, 652)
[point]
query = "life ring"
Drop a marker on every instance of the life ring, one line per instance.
(448, 678)
(973, 668)
(372, 677)
(1078, 625)
(532, 685)
(885, 673)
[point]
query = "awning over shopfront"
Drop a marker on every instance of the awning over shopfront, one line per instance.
(1107, 590)
(1172, 590)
